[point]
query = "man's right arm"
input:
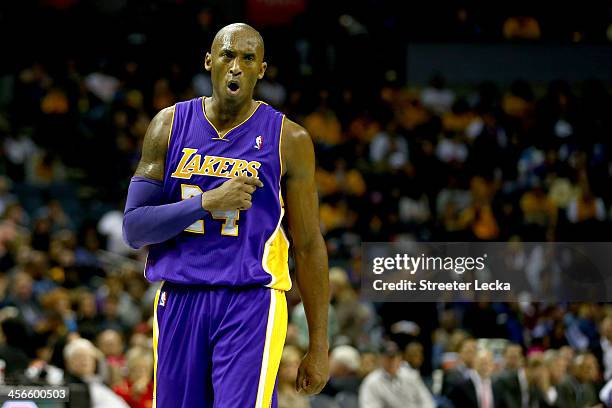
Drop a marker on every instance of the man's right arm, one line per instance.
(145, 220)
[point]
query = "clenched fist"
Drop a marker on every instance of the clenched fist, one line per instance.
(313, 373)
(231, 195)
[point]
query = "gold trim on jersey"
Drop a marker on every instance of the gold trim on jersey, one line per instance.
(171, 125)
(155, 343)
(276, 332)
(219, 137)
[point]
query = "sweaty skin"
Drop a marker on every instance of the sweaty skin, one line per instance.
(236, 58)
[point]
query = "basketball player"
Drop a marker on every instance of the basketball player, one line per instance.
(206, 199)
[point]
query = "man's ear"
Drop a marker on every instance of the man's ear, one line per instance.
(262, 70)
(208, 61)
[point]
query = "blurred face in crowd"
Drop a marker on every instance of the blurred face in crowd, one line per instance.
(23, 286)
(467, 352)
(140, 366)
(111, 308)
(87, 306)
(567, 353)
(391, 363)
(586, 368)
(369, 362)
(513, 357)
(82, 362)
(558, 369)
(110, 343)
(235, 62)
(414, 355)
(483, 363)
(606, 328)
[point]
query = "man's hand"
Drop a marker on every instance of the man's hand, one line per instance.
(313, 373)
(231, 195)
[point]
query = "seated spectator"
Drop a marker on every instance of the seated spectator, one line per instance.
(81, 358)
(413, 355)
(437, 97)
(394, 385)
(13, 338)
(344, 363)
(137, 388)
(110, 343)
(557, 367)
(539, 215)
(542, 393)
(477, 390)
(579, 385)
(511, 386)
(21, 296)
(460, 372)
(605, 329)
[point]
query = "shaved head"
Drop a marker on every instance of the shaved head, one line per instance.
(224, 34)
(236, 63)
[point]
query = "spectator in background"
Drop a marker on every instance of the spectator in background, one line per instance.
(587, 212)
(460, 372)
(13, 339)
(81, 358)
(21, 296)
(58, 301)
(542, 393)
(477, 390)
(288, 397)
(394, 385)
(111, 227)
(270, 90)
(110, 343)
(112, 320)
(413, 355)
(605, 329)
(557, 367)
(511, 385)
(344, 363)
(137, 388)
(323, 124)
(579, 387)
(437, 97)
(88, 319)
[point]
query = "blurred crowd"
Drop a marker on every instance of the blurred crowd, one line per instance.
(524, 162)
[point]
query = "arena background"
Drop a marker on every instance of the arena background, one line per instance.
(474, 122)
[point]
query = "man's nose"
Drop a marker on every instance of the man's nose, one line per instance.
(235, 67)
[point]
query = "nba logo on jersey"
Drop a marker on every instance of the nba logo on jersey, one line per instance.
(258, 142)
(162, 299)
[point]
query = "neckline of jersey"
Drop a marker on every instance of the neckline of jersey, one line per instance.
(219, 137)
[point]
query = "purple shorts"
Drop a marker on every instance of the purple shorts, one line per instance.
(217, 347)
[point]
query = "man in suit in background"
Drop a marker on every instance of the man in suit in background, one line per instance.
(477, 390)
(460, 372)
(511, 384)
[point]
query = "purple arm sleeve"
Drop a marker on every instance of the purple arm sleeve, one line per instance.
(146, 222)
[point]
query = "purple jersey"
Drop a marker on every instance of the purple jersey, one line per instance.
(225, 248)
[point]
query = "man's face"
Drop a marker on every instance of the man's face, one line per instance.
(468, 352)
(484, 364)
(513, 357)
(82, 363)
(235, 63)
(391, 363)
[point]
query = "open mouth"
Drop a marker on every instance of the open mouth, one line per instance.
(233, 87)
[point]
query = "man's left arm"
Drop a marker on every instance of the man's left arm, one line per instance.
(309, 252)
